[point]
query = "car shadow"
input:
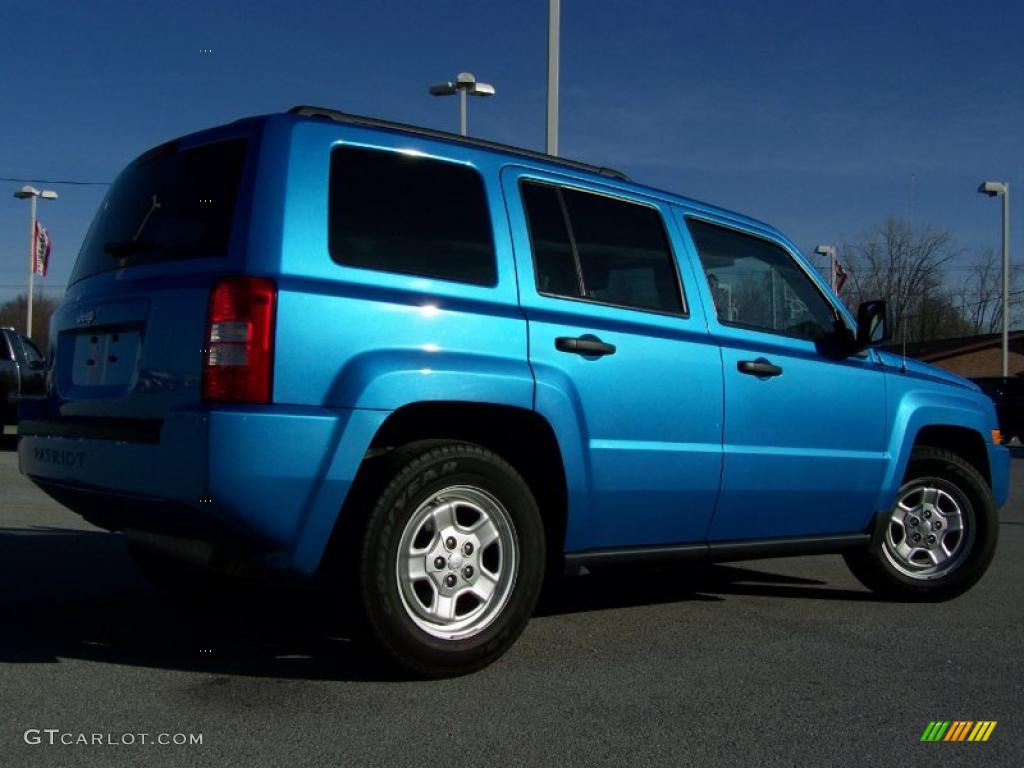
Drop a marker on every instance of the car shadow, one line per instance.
(616, 588)
(75, 594)
(9, 441)
(71, 594)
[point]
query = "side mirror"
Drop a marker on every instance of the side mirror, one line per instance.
(872, 323)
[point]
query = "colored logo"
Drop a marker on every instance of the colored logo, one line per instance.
(958, 730)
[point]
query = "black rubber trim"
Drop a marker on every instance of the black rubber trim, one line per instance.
(636, 555)
(718, 551)
(94, 428)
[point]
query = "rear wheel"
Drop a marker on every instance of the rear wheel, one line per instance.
(452, 559)
(940, 536)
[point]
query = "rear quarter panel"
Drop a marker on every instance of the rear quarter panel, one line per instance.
(359, 338)
(356, 344)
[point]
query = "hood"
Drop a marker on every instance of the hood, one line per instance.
(924, 370)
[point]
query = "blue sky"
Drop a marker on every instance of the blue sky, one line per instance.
(818, 117)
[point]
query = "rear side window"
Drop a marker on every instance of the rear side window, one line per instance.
(598, 248)
(167, 205)
(414, 215)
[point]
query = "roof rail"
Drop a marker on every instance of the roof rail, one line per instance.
(372, 122)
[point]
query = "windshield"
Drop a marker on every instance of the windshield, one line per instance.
(165, 206)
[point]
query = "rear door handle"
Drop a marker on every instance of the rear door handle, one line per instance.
(759, 367)
(584, 346)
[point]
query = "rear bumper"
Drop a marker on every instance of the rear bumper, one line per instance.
(171, 467)
(268, 479)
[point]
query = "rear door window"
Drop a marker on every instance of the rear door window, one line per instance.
(599, 248)
(413, 215)
(169, 204)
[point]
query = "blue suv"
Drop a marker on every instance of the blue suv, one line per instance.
(432, 370)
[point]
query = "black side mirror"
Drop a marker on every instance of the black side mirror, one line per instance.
(872, 323)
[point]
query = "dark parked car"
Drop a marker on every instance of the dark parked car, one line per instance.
(1008, 396)
(21, 372)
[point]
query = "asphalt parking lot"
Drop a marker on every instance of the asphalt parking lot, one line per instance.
(785, 662)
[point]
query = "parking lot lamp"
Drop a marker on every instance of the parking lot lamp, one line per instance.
(1002, 189)
(554, 34)
(465, 83)
(31, 193)
(830, 251)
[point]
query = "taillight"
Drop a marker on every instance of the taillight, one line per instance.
(238, 361)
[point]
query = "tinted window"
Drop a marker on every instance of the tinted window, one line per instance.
(169, 204)
(413, 215)
(553, 256)
(590, 246)
(757, 284)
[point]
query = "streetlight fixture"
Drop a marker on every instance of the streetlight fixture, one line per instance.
(1002, 189)
(31, 193)
(830, 251)
(465, 83)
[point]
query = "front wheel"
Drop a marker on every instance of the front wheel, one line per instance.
(452, 559)
(938, 539)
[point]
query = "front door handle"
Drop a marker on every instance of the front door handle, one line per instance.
(759, 367)
(584, 346)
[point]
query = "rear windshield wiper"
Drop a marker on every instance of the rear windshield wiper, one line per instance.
(129, 248)
(133, 246)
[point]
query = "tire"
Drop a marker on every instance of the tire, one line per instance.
(451, 559)
(944, 497)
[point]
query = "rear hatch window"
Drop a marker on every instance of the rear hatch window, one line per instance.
(169, 204)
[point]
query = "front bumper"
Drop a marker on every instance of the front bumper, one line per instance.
(999, 469)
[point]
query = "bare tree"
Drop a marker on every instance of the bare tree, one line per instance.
(13, 314)
(981, 293)
(903, 263)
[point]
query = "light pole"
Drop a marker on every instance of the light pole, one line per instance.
(830, 251)
(554, 31)
(31, 193)
(997, 189)
(465, 83)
